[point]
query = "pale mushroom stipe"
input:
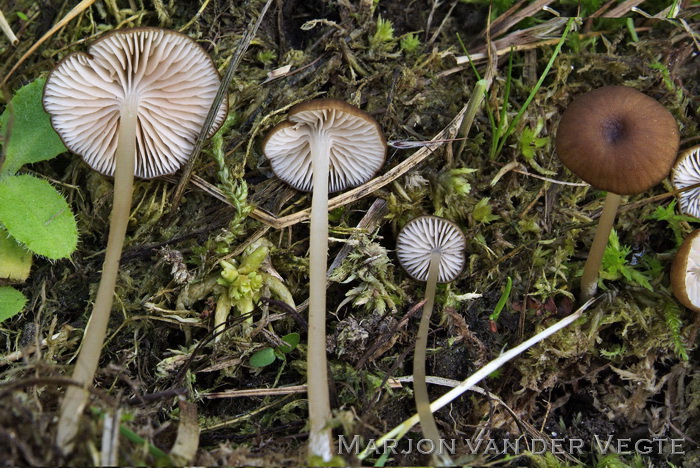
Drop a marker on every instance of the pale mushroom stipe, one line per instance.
(619, 140)
(346, 147)
(133, 105)
(430, 249)
(686, 173)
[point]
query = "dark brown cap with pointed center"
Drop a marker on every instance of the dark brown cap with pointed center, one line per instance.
(618, 139)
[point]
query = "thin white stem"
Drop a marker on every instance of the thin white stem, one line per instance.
(589, 280)
(5, 26)
(420, 388)
(399, 431)
(93, 338)
(319, 399)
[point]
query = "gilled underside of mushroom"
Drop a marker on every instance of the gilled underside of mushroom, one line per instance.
(428, 234)
(291, 157)
(685, 173)
(133, 106)
(86, 92)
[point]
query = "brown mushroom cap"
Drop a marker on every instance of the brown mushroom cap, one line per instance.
(686, 172)
(420, 237)
(685, 272)
(357, 151)
(618, 139)
(171, 76)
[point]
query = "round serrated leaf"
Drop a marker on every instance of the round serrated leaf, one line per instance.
(37, 216)
(11, 302)
(262, 358)
(30, 137)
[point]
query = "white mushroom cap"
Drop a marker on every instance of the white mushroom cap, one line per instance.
(421, 237)
(686, 172)
(685, 272)
(357, 151)
(172, 78)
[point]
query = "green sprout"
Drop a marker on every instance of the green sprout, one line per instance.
(615, 265)
(383, 40)
(483, 213)
(409, 43)
(242, 285)
(266, 57)
(668, 214)
(530, 142)
(267, 355)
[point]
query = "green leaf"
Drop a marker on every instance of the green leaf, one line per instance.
(37, 216)
(262, 358)
(11, 302)
(26, 130)
(292, 341)
(15, 260)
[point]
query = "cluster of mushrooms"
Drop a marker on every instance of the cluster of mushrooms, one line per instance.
(135, 104)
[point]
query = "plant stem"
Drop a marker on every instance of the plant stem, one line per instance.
(420, 387)
(319, 399)
(402, 429)
(84, 372)
(589, 280)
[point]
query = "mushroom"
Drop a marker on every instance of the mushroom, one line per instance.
(685, 173)
(346, 147)
(430, 249)
(619, 140)
(133, 105)
(685, 272)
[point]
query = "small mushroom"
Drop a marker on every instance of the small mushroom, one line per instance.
(430, 249)
(685, 173)
(619, 140)
(685, 272)
(325, 145)
(133, 105)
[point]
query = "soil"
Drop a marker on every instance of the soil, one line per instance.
(628, 369)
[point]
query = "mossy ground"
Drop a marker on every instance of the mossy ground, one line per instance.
(628, 368)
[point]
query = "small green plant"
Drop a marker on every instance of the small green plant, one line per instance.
(34, 216)
(409, 43)
(668, 214)
(530, 142)
(615, 265)
(383, 40)
(267, 356)
(242, 284)
(483, 213)
(266, 57)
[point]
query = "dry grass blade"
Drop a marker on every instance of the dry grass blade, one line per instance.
(79, 8)
(187, 440)
(514, 15)
(351, 195)
(5, 26)
(214, 109)
(622, 9)
(403, 428)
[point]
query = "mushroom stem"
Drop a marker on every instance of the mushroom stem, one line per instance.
(420, 387)
(589, 280)
(93, 338)
(317, 373)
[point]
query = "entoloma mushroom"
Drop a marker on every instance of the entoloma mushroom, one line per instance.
(325, 145)
(430, 249)
(619, 140)
(685, 272)
(133, 105)
(686, 173)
